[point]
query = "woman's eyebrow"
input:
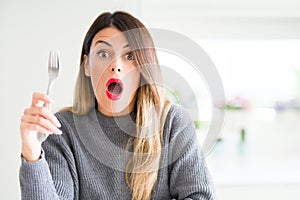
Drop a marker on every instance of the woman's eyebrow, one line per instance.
(106, 43)
(102, 41)
(125, 46)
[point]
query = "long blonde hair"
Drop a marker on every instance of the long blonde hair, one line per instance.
(152, 105)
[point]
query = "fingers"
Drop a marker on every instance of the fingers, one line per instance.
(40, 124)
(34, 127)
(37, 98)
(39, 118)
(43, 112)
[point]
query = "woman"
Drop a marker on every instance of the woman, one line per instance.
(121, 139)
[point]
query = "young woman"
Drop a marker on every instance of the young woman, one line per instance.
(122, 138)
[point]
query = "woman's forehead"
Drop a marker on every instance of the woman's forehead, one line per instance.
(110, 36)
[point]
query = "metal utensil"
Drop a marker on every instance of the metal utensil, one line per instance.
(53, 70)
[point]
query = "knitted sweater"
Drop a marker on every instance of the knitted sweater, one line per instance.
(88, 161)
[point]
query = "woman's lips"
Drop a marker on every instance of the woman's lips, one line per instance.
(114, 88)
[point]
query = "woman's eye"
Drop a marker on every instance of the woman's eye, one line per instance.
(129, 56)
(103, 54)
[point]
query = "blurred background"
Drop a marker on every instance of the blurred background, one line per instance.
(253, 44)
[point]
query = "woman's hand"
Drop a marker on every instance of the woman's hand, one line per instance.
(37, 118)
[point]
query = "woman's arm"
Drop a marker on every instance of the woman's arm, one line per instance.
(52, 176)
(45, 171)
(189, 176)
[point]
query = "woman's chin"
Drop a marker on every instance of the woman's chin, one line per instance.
(115, 107)
(119, 108)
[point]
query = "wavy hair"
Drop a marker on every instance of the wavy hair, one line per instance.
(151, 105)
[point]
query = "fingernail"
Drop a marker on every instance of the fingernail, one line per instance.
(58, 124)
(59, 132)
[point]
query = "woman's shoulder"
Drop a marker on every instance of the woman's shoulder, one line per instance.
(64, 114)
(178, 115)
(178, 120)
(72, 120)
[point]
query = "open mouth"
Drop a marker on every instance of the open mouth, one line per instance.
(114, 89)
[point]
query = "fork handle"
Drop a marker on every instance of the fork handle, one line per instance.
(42, 136)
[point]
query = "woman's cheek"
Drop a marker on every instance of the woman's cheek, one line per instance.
(132, 80)
(98, 77)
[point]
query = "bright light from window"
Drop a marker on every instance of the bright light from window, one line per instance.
(263, 71)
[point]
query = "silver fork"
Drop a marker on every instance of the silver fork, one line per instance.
(53, 70)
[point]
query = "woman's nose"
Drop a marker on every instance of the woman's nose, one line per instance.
(116, 69)
(117, 65)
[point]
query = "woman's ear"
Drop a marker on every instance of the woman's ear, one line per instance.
(86, 66)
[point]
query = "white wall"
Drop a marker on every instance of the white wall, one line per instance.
(29, 29)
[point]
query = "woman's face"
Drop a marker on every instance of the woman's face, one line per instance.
(113, 71)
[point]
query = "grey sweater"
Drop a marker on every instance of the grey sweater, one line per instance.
(88, 161)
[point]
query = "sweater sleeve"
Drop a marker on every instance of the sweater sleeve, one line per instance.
(189, 176)
(36, 180)
(51, 177)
